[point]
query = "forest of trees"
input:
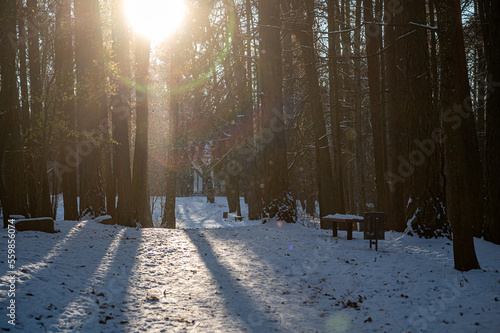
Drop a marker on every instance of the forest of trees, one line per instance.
(360, 105)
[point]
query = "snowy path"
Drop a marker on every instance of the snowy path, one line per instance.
(264, 278)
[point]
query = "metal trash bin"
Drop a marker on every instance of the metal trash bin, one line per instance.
(371, 219)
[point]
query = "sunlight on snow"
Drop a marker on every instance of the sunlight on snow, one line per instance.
(237, 267)
(77, 312)
(55, 252)
(338, 322)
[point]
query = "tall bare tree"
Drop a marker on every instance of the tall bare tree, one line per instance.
(490, 17)
(335, 11)
(377, 117)
(324, 175)
(358, 120)
(12, 191)
(168, 219)
(65, 101)
(277, 199)
(425, 208)
(396, 113)
(463, 181)
(41, 205)
(91, 106)
(140, 186)
(121, 116)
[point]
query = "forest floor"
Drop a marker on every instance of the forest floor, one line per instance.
(213, 275)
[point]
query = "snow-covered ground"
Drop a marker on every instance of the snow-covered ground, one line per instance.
(213, 275)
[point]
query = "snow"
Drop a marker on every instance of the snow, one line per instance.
(409, 228)
(197, 213)
(34, 219)
(213, 275)
(424, 26)
(344, 217)
(102, 218)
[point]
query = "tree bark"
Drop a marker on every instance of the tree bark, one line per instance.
(168, 219)
(253, 190)
(324, 175)
(397, 116)
(373, 35)
(12, 178)
(358, 115)
(121, 117)
(490, 17)
(140, 186)
(25, 102)
(277, 198)
(41, 205)
(335, 109)
(426, 204)
(65, 104)
(90, 105)
(463, 181)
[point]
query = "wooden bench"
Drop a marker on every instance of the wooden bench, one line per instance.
(342, 218)
(373, 228)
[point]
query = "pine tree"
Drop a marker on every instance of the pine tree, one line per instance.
(490, 15)
(462, 160)
(277, 199)
(91, 106)
(120, 102)
(65, 102)
(140, 186)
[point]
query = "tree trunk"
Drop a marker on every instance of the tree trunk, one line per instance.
(25, 104)
(12, 177)
(335, 109)
(278, 200)
(426, 204)
(168, 219)
(396, 112)
(232, 194)
(490, 17)
(463, 181)
(90, 105)
(377, 117)
(23, 69)
(324, 175)
(358, 115)
(121, 117)
(140, 186)
(253, 193)
(65, 103)
(41, 206)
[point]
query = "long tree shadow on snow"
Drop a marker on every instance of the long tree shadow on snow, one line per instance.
(100, 280)
(49, 273)
(107, 287)
(239, 303)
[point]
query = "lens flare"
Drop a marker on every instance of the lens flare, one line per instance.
(155, 19)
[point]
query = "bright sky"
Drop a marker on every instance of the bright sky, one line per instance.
(156, 19)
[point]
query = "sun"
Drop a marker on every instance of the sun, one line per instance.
(155, 19)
